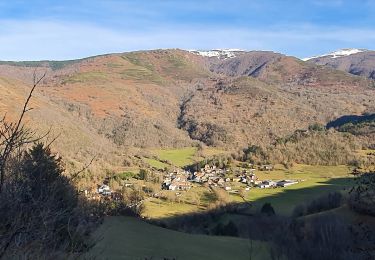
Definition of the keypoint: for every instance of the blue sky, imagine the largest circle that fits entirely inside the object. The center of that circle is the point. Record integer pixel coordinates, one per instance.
(36, 29)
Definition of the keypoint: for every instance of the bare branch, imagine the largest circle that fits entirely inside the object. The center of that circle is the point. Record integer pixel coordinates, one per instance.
(76, 174)
(53, 140)
(15, 135)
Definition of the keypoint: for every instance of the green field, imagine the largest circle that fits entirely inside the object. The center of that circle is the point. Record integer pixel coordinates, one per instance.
(284, 200)
(302, 171)
(314, 182)
(181, 156)
(178, 157)
(157, 208)
(155, 163)
(130, 238)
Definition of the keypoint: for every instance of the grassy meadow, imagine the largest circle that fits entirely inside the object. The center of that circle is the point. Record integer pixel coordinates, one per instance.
(314, 180)
(283, 200)
(130, 238)
(155, 163)
(178, 157)
(181, 157)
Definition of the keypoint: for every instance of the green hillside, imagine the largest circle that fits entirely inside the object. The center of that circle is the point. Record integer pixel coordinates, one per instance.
(129, 238)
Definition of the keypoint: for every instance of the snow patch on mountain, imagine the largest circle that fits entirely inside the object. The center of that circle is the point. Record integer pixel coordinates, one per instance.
(218, 53)
(338, 54)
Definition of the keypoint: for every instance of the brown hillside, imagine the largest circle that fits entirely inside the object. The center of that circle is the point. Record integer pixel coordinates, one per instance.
(171, 98)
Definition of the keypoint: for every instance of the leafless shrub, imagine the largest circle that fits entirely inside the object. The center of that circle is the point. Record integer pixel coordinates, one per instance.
(362, 196)
(14, 135)
(42, 215)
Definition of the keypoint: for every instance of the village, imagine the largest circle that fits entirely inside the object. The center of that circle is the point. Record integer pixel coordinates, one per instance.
(215, 177)
(211, 176)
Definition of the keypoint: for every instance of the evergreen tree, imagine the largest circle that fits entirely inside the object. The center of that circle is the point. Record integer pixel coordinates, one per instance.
(267, 209)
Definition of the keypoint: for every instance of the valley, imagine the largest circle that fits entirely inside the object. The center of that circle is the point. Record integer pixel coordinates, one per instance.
(314, 181)
(218, 150)
(187, 130)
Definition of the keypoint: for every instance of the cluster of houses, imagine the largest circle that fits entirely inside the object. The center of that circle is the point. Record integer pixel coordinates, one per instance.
(214, 176)
(208, 174)
(179, 180)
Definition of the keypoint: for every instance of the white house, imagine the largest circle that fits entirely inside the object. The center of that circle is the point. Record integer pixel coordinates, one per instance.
(267, 184)
(104, 190)
(286, 183)
(172, 187)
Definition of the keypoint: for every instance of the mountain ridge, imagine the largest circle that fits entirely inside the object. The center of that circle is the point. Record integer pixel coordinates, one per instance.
(174, 98)
(356, 62)
(338, 53)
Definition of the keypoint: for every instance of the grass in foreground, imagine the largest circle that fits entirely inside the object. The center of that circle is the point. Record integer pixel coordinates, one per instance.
(130, 238)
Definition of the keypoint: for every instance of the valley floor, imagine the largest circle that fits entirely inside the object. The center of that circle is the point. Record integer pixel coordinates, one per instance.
(314, 182)
(131, 238)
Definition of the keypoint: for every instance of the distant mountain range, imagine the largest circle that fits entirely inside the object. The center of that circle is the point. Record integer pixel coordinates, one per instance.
(219, 53)
(171, 98)
(338, 54)
(359, 62)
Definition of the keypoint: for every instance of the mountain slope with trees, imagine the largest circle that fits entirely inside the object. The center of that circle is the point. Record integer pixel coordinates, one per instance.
(174, 98)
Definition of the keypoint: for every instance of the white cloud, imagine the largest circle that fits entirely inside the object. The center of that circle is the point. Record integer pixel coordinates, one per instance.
(44, 39)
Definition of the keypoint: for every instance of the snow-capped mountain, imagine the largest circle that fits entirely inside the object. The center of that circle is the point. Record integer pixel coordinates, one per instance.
(218, 53)
(359, 62)
(337, 54)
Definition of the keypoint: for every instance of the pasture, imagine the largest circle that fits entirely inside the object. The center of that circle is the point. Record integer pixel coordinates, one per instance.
(178, 157)
(130, 238)
(314, 181)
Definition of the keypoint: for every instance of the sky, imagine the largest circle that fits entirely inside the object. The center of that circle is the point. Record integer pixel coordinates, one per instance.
(71, 29)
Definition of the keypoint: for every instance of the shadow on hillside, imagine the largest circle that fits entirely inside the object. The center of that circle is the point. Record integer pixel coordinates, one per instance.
(285, 201)
(349, 119)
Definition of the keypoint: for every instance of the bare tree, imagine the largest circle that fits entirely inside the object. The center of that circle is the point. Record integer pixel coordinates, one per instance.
(14, 135)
